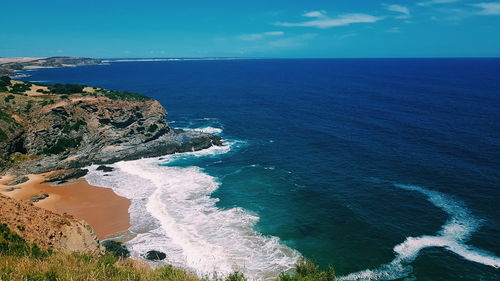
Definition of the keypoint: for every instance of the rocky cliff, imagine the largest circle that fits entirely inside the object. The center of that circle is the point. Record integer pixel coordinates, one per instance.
(44, 128)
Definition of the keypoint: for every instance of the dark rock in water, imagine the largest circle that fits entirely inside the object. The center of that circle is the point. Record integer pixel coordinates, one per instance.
(105, 168)
(155, 255)
(116, 248)
(39, 197)
(67, 175)
(18, 180)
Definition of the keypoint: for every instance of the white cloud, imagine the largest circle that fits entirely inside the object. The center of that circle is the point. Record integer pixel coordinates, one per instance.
(257, 36)
(488, 8)
(433, 2)
(321, 20)
(404, 11)
(315, 14)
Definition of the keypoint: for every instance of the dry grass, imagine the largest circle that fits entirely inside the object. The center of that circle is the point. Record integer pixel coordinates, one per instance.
(83, 267)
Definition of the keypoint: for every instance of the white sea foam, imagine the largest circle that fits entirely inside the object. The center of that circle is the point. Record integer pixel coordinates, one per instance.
(172, 212)
(207, 130)
(457, 230)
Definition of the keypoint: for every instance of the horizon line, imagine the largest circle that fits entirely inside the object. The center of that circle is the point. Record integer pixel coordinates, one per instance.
(247, 58)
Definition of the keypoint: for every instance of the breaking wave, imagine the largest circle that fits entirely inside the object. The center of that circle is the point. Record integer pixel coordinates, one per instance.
(452, 236)
(172, 211)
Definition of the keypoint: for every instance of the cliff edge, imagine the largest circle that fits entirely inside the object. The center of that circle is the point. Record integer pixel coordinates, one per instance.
(67, 126)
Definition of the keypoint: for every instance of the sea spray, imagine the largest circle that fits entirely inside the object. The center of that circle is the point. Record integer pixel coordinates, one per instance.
(172, 212)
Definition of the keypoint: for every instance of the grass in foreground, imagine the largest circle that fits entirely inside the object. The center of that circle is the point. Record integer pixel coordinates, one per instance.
(20, 260)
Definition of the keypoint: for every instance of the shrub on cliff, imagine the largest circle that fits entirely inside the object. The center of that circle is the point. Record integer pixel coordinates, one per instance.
(128, 96)
(6, 117)
(20, 88)
(62, 89)
(236, 276)
(62, 145)
(152, 128)
(5, 81)
(3, 135)
(306, 270)
(9, 98)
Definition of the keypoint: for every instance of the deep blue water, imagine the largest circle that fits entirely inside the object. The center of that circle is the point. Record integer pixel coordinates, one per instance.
(326, 143)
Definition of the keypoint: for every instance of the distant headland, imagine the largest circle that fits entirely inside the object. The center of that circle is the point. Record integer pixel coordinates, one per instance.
(12, 66)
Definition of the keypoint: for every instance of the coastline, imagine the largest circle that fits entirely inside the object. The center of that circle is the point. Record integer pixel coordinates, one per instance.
(100, 207)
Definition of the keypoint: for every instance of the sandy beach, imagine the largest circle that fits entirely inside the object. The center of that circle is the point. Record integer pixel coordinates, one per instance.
(105, 211)
(18, 60)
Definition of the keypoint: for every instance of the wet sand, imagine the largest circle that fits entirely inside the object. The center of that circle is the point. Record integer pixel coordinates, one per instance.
(105, 211)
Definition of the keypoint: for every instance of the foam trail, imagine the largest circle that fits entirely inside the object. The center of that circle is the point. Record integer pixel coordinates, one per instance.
(207, 130)
(457, 230)
(172, 212)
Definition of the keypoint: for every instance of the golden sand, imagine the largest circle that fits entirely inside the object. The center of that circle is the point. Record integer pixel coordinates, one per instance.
(100, 207)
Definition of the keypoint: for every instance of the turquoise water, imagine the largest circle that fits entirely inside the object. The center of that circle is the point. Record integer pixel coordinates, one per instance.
(390, 165)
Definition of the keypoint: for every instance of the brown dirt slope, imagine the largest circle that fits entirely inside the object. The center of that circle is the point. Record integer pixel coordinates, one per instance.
(47, 229)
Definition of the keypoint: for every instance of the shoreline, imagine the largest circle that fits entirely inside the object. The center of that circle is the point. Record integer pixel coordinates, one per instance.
(100, 207)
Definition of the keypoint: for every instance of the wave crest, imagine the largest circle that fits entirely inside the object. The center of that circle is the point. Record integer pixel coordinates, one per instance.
(457, 230)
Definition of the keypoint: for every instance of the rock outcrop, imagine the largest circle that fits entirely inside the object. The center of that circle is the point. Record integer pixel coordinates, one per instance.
(46, 229)
(44, 130)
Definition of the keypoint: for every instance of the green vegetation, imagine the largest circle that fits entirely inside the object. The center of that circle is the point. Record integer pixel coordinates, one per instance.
(14, 245)
(28, 106)
(8, 98)
(4, 82)
(47, 102)
(152, 128)
(305, 270)
(20, 88)
(75, 127)
(62, 145)
(128, 96)
(3, 135)
(66, 88)
(5, 117)
(237, 276)
(20, 260)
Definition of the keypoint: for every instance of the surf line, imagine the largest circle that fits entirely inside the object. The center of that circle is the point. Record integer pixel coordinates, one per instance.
(452, 236)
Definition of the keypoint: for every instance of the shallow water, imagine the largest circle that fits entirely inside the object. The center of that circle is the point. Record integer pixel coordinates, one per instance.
(385, 168)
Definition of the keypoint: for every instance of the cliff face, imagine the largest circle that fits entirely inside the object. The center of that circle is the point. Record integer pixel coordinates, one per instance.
(47, 229)
(43, 130)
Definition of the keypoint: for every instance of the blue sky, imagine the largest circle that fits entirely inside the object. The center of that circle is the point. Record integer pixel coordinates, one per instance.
(257, 28)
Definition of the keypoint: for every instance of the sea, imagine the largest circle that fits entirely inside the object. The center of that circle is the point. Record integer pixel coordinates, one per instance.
(386, 169)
